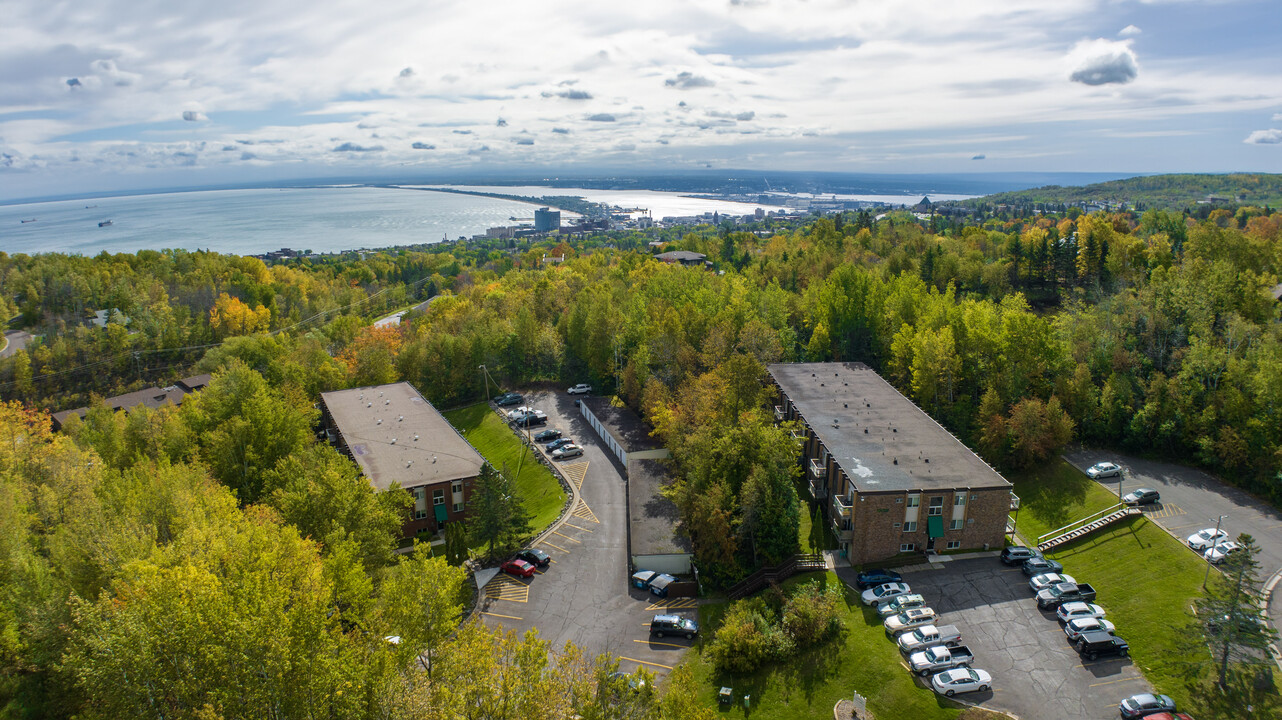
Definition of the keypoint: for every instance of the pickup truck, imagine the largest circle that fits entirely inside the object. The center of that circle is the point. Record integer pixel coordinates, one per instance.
(1056, 595)
(929, 636)
(939, 659)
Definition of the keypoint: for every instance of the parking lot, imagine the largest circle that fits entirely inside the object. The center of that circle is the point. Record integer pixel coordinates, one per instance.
(1036, 672)
(584, 596)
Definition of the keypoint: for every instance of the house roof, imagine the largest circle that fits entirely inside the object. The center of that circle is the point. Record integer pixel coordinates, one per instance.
(682, 256)
(652, 518)
(879, 438)
(625, 426)
(395, 435)
(152, 397)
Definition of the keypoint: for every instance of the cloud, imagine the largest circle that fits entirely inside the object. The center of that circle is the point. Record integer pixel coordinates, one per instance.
(423, 146)
(561, 130)
(247, 155)
(575, 95)
(353, 147)
(1129, 31)
(1277, 118)
(979, 157)
(501, 123)
(686, 80)
(601, 117)
(461, 132)
(74, 83)
(406, 72)
(1103, 62)
(193, 115)
(523, 141)
(1272, 136)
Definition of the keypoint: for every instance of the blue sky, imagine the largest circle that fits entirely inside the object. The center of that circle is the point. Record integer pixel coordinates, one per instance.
(120, 94)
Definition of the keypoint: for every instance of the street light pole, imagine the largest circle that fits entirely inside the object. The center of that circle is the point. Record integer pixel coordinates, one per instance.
(1207, 577)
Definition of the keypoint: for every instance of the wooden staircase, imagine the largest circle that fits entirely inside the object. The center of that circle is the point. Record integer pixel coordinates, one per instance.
(1086, 526)
(779, 573)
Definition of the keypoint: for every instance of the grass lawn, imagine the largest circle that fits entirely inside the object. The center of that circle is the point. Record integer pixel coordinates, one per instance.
(1055, 495)
(810, 684)
(1147, 582)
(814, 538)
(538, 489)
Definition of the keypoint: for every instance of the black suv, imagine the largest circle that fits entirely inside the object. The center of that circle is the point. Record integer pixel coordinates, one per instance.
(1099, 642)
(510, 398)
(1017, 554)
(673, 625)
(873, 578)
(535, 557)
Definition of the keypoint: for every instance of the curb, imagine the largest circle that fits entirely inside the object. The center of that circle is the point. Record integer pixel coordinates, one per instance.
(572, 491)
(1265, 602)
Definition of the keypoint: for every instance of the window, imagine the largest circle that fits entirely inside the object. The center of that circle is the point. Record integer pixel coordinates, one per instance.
(959, 499)
(420, 504)
(914, 500)
(458, 507)
(896, 526)
(910, 526)
(936, 506)
(953, 545)
(898, 500)
(956, 525)
(907, 547)
(456, 487)
(438, 497)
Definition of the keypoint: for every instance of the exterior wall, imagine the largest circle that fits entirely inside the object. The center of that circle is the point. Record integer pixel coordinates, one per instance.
(412, 526)
(670, 564)
(604, 434)
(875, 535)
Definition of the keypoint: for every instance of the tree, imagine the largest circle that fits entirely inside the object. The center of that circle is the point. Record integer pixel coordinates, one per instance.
(771, 516)
(498, 518)
(422, 601)
(456, 535)
(1037, 429)
(1230, 617)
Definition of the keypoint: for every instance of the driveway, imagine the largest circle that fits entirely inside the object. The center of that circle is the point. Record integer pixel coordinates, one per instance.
(1192, 500)
(584, 595)
(18, 340)
(1036, 673)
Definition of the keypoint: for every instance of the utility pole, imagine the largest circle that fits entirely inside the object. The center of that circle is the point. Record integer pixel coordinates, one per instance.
(1207, 577)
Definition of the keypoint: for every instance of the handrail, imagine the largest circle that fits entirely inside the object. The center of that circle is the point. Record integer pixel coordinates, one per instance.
(1088, 518)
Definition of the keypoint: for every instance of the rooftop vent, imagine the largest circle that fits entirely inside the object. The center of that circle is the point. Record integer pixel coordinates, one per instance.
(393, 441)
(896, 461)
(415, 437)
(400, 418)
(379, 421)
(369, 404)
(408, 463)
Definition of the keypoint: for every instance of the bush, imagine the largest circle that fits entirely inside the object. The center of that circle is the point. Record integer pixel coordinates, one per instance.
(748, 638)
(810, 615)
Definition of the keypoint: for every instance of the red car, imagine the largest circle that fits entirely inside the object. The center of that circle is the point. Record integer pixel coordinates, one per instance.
(520, 568)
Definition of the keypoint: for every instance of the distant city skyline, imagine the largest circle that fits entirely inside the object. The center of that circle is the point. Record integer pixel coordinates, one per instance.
(129, 95)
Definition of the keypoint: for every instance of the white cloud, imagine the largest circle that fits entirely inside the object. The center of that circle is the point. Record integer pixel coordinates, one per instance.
(1129, 31)
(1272, 136)
(1103, 62)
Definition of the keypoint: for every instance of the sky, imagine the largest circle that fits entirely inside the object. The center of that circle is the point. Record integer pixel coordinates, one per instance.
(105, 94)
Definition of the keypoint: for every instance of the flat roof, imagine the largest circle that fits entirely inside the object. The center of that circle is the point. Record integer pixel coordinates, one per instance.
(652, 518)
(681, 256)
(879, 438)
(395, 435)
(626, 427)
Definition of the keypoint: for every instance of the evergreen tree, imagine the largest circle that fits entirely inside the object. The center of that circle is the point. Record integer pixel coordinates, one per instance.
(498, 518)
(1230, 617)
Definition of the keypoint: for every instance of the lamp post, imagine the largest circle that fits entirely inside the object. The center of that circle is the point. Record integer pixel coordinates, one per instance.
(1207, 577)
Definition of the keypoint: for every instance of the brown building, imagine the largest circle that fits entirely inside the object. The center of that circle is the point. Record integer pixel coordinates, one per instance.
(891, 479)
(152, 397)
(396, 436)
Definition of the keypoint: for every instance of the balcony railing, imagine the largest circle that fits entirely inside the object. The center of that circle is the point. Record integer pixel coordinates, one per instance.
(799, 434)
(840, 507)
(818, 489)
(818, 469)
(840, 529)
(779, 413)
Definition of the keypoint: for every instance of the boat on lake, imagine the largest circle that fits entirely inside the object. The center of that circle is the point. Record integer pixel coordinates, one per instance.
(104, 223)
(27, 221)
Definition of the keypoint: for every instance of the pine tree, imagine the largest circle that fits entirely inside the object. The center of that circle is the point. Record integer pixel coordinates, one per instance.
(1230, 617)
(498, 518)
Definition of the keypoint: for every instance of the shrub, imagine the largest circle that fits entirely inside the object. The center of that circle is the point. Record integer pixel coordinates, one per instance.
(810, 614)
(748, 637)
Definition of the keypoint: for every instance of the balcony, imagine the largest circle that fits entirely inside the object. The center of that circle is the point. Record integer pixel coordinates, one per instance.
(800, 435)
(818, 468)
(841, 528)
(840, 507)
(818, 489)
(779, 413)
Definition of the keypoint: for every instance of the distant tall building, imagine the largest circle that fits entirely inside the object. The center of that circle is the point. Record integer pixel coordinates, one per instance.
(547, 220)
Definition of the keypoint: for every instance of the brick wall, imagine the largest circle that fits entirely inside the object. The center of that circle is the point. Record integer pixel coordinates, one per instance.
(875, 536)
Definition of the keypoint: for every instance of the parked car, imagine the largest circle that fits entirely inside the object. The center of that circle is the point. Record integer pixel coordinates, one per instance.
(531, 419)
(580, 389)
(1142, 496)
(938, 659)
(635, 683)
(547, 435)
(929, 636)
(558, 443)
(518, 412)
(1091, 645)
(535, 557)
(1169, 716)
(641, 578)
(884, 593)
(673, 625)
(1137, 706)
(908, 619)
(1077, 610)
(1018, 554)
(1202, 540)
(517, 567)
(508, 398)
(900, 604)
(873, 578)
(1079, 626)
(1054, 596)
(1039, 565)
(960, 680)
(1220, 553)
(1040, 582)
(1103, 470)
(659, 585)
(566, 451)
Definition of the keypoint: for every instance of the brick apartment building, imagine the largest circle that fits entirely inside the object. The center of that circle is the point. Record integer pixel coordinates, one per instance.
(396, 436)
(891, 479)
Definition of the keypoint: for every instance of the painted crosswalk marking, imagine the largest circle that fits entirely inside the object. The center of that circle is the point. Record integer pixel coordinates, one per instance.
(1164, 511)
(583, 512)
(674, 604)
(503, 587)
(575, 473)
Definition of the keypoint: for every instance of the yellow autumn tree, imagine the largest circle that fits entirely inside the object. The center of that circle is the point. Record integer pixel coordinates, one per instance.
(230, 317)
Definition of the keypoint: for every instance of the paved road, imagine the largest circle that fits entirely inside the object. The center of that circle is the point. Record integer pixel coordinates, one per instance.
(584, 596)
(1193, 500)
(18, 340)
(1036, 673)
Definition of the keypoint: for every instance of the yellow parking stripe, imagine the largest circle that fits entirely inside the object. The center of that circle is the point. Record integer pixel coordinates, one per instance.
(1114, 682)
(576, 527)
(674, 604)
(507, 588)
(575, 473)
(509, 617)
(645, 662)
(558, 547)
(583, 512)
(656, 642)
(1165, 511)
(567, 537)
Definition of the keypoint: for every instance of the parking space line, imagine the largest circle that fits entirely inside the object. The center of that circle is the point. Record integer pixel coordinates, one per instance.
(575, 473)
(509, 617)
(567, 537)
(665, 644)
(545, 542)
(646, 662)
(503, 587)
(583, 512)
(1114, 682)
(576, 527)
(677, 604)
(1165, 511)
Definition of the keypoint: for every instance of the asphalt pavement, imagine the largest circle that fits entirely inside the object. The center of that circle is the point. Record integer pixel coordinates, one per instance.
(17, 340)
(584, 596)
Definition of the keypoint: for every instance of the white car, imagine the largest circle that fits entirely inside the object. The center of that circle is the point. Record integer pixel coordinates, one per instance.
(1221, 551)
(960, 680)
(1103, 470)
(909, 620)
(1069, 612)
(580, 389)
(1205, 539)
(1045, 580)
(566, 451)
(900, 604)
(519, 412)
(884, 593)
(1074, 628)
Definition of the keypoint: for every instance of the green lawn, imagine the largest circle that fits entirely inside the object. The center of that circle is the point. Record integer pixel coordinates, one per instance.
(1054, 496)
(538, 489)
(813, 538)
(808, 685)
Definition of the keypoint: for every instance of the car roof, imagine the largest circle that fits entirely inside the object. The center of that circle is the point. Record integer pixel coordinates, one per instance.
(668, 618)
(1094, 636)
